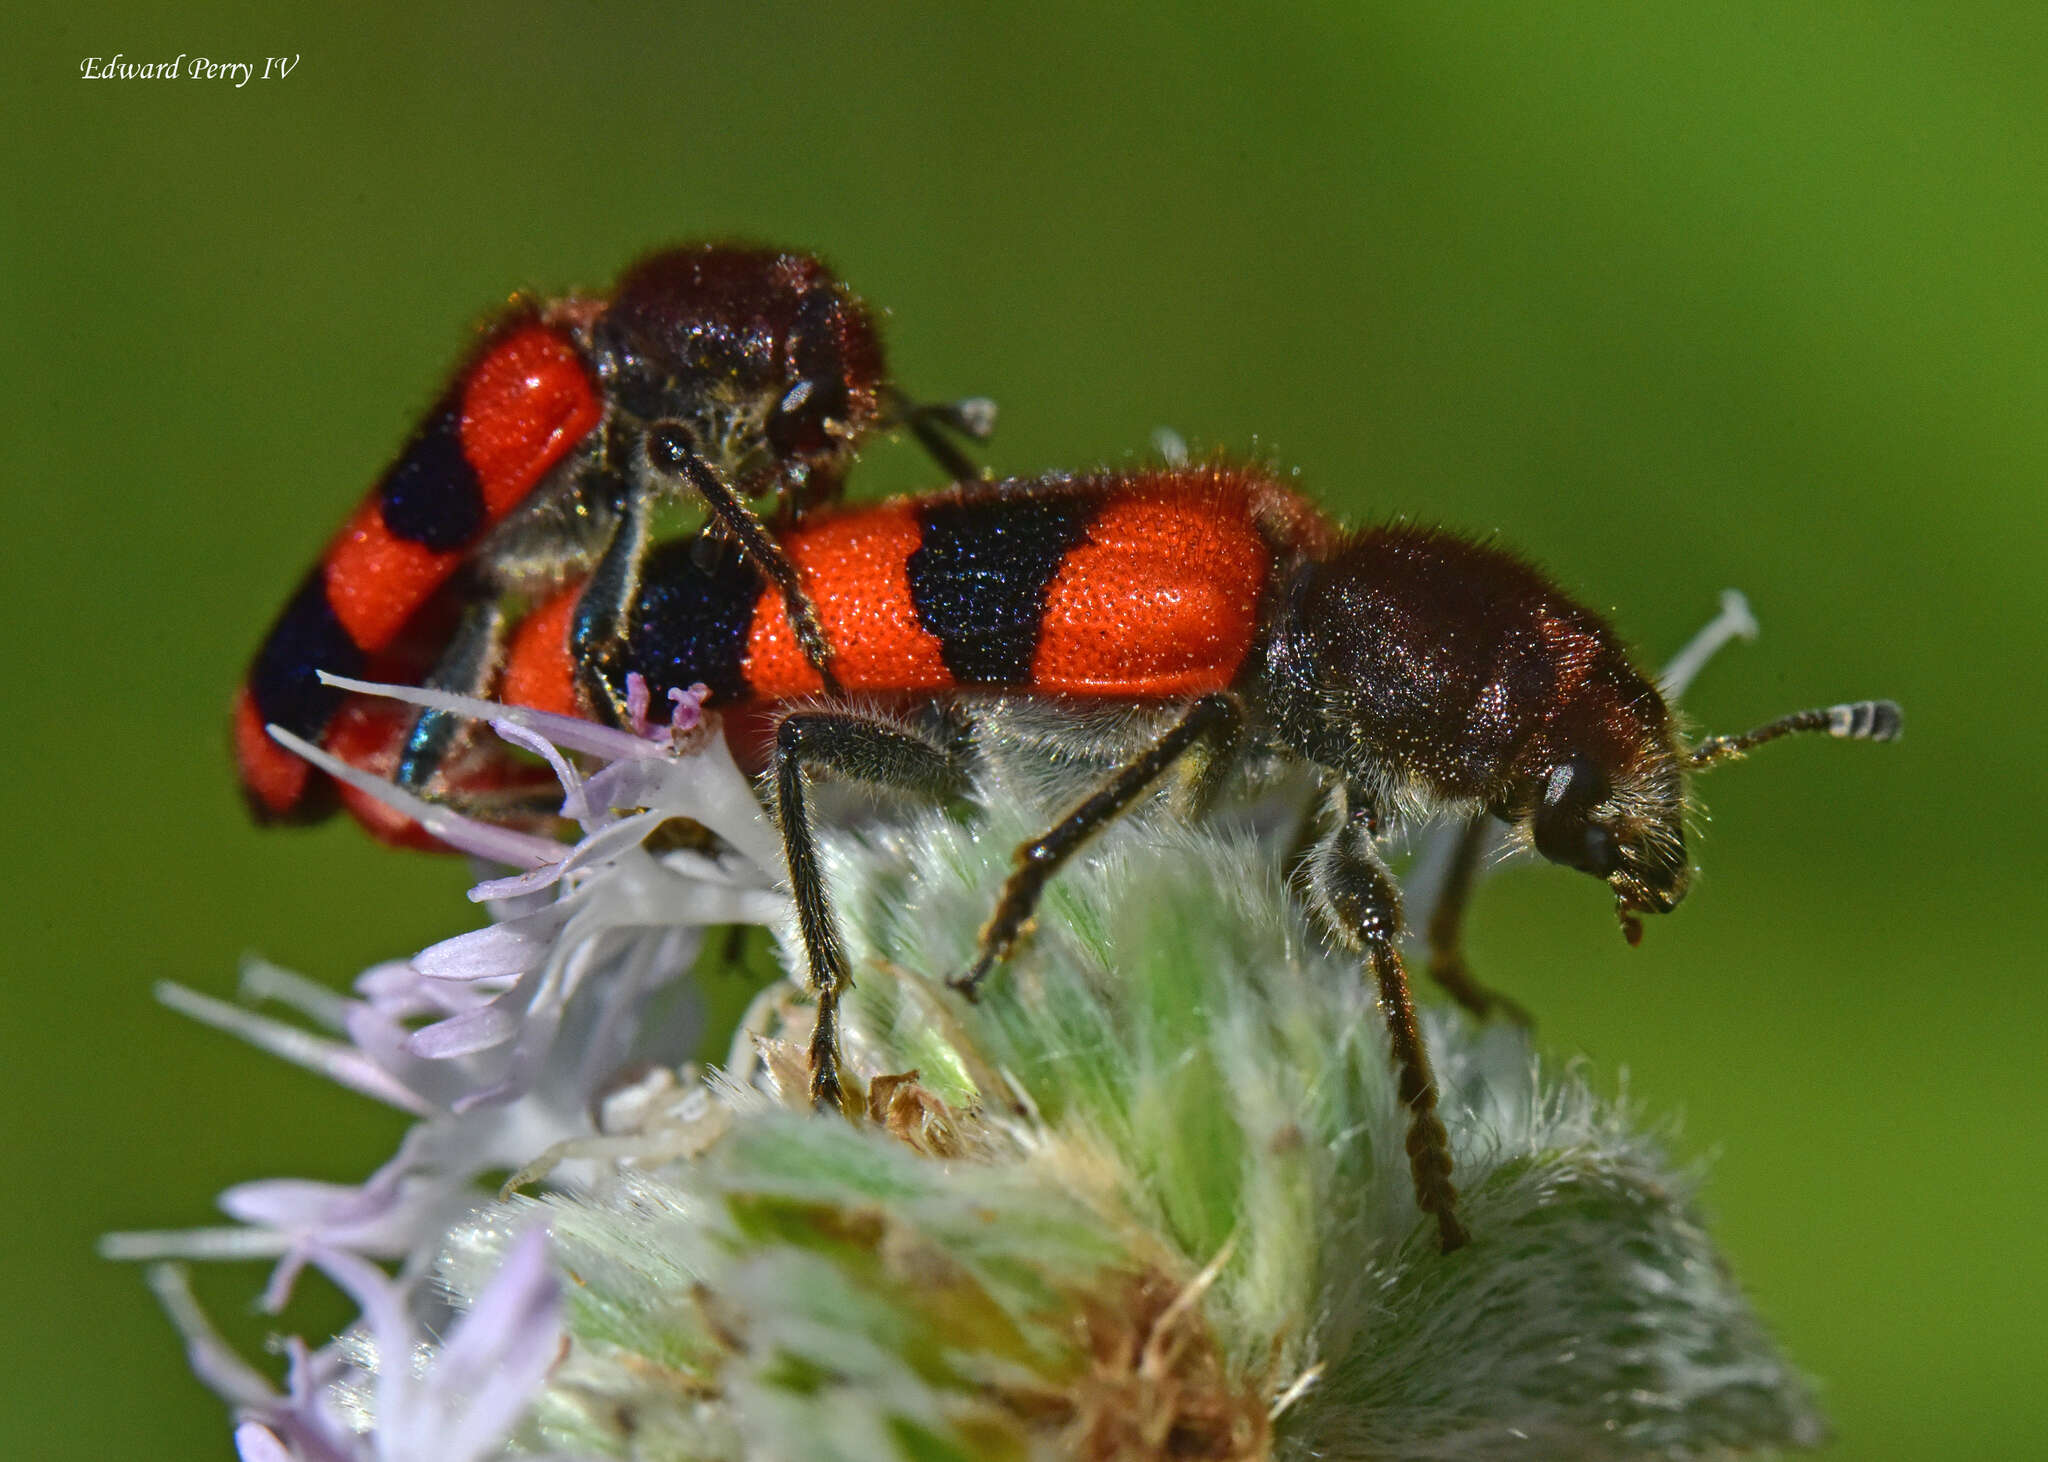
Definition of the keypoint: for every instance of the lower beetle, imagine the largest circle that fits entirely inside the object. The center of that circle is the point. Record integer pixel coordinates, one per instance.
(1416, 673)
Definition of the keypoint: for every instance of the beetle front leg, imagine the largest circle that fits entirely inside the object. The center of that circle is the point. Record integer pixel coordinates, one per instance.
(670, 452)
(973, 418)
(1361, 904)
(864, 748)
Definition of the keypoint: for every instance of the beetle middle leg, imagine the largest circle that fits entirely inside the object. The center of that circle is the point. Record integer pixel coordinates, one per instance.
(864, 748)
(1214, 722)
(1444, 934)
(1361, 904)
(468, 666)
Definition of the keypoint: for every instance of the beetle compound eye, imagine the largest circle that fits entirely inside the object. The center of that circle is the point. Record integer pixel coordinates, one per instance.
(669, 446)
(1602, 853)
(1563, 832)
(1574, 785)
(1587, 846)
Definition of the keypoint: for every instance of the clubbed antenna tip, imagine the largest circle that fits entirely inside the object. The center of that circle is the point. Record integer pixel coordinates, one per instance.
(1867, 721)
(1850, 721)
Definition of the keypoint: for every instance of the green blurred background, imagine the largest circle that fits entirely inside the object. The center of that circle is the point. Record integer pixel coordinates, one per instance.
(1672, 299)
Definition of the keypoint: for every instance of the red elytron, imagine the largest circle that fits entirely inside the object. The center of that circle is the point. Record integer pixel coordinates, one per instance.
(711, 369)
(1418, 673)
(1145, 587)
(516, 411)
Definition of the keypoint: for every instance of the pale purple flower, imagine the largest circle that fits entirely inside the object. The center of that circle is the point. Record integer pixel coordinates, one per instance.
(501, 1042)
(457, 1403)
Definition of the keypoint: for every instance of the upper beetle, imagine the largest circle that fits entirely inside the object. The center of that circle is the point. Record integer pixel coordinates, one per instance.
(710, 370)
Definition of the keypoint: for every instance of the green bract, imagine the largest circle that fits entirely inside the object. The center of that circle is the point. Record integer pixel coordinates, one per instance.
(1147, 1199)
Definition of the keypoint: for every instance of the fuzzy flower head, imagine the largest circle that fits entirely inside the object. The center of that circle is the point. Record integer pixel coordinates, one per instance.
(1148, 1198)
(502, 1043)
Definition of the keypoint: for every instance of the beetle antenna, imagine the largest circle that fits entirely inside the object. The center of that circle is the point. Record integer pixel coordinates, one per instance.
(1850, 721)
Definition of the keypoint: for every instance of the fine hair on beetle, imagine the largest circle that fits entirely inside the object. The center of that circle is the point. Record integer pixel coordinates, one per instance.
(1415, 673)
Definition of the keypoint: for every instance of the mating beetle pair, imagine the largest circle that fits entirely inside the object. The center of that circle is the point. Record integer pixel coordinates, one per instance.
(1418, 674)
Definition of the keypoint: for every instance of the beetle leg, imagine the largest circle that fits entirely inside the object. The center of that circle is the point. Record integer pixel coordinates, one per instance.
(603, 610)
(973, 418)
(1360, 902)
(1213, 721)
(598, 629)
(1445, 932)
(469, 666)
(864, 748)
(669, 447)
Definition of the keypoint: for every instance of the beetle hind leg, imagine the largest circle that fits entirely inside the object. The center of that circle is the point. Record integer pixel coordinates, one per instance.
(1360, 903)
